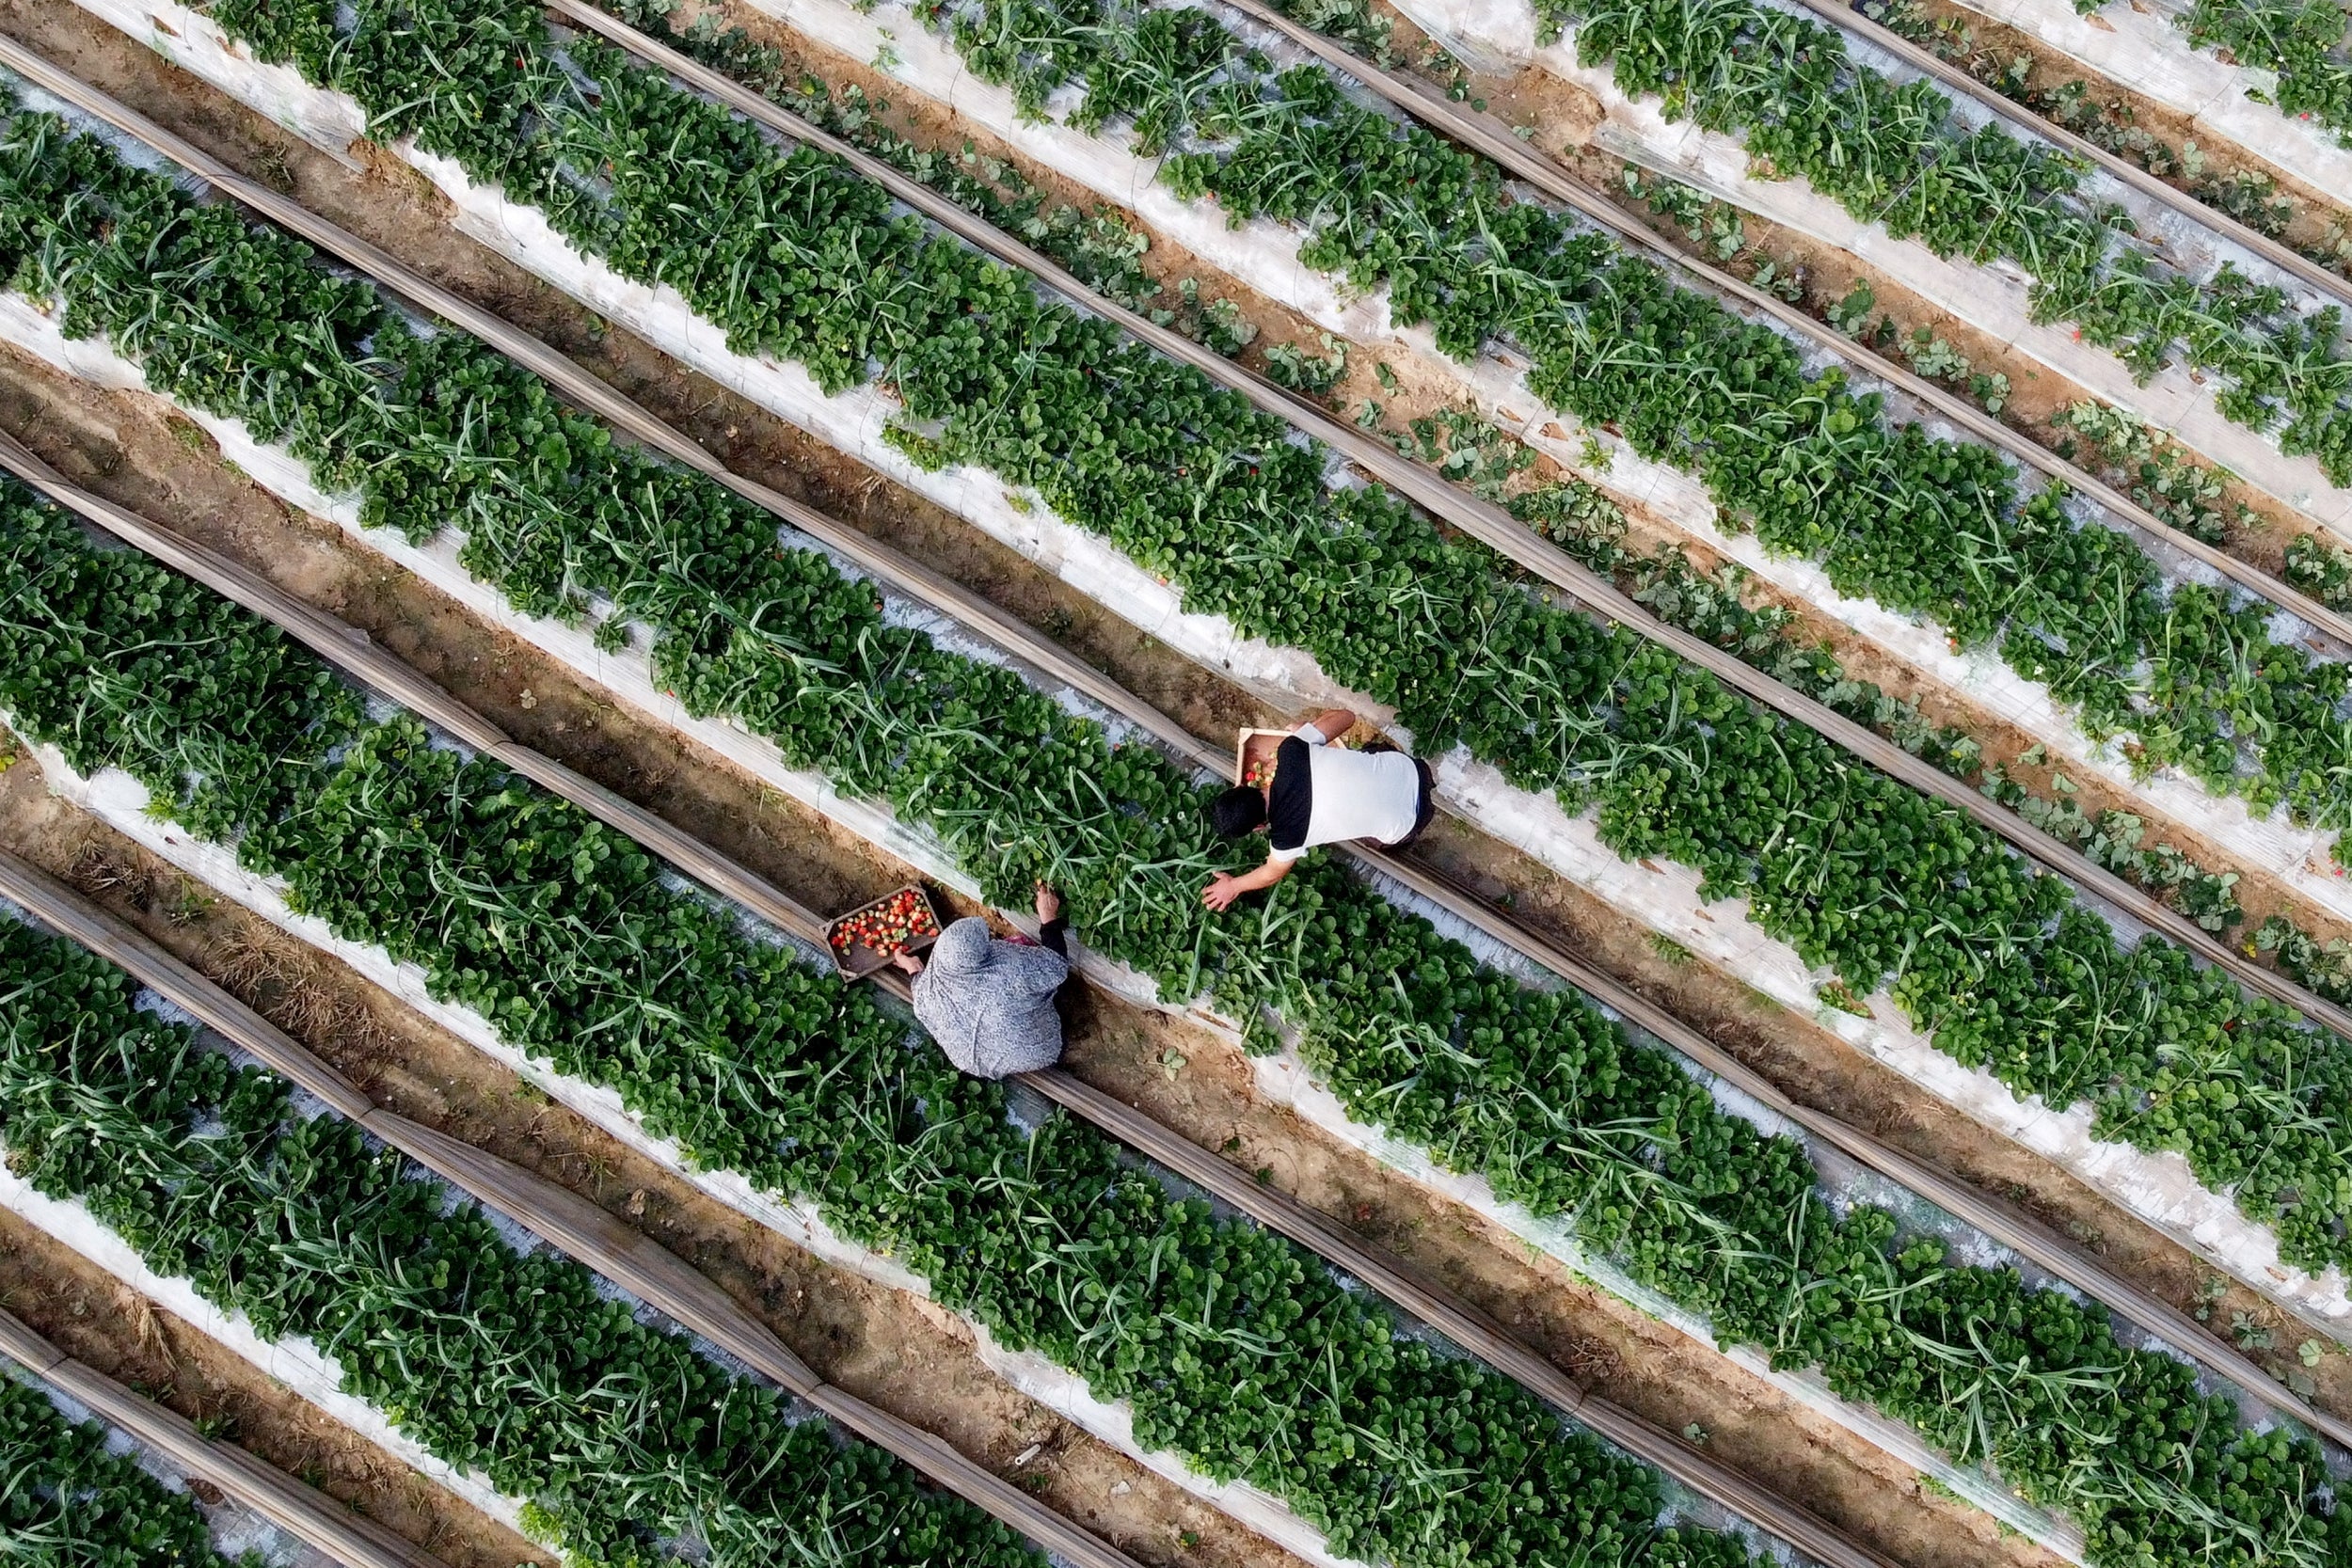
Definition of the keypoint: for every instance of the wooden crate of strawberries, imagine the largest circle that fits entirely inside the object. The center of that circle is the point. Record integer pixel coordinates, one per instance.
(868, 937)
(1253, 757)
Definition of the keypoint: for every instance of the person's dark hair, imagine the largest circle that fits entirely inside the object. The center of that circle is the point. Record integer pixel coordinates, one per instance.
(1237, 811)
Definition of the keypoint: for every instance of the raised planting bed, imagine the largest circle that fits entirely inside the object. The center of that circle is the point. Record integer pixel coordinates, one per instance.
(526, 1378)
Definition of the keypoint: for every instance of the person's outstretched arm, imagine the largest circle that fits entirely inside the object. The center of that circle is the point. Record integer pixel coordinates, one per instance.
(1051, 927)
(1224, 887)
(1331, 723)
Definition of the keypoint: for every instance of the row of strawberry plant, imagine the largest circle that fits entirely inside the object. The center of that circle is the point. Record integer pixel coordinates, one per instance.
(618, 1435)
(2190, 674)
(564, 931)
(666, 188)
(67, 1499)
(544, 527)
(1588, 526)
(2111, 121)
(2003, 966)
(1898, 154)
(2302, 41)
(1102, 249)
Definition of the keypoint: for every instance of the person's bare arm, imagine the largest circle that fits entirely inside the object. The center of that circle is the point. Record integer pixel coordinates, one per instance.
(1224, 887)
(1331, 723)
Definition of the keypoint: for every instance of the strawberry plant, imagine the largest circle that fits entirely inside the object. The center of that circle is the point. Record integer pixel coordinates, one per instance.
(1541, 1094)
(2302, 41)
(621, 1436)
(1232, 1346)
(1898, 154)
(2111, 120)
(68, 1501)
(2321, 569)
(2160, 474)
(577, 949)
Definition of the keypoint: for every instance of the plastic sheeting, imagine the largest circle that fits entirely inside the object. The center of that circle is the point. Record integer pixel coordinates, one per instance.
(1282, 1079)
(235, 1528)
(855, 420)
(293, 1362)
(2270, 844)
(120, 801)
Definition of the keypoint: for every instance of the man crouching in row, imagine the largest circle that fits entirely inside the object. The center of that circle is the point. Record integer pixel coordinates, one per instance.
(1319, 793)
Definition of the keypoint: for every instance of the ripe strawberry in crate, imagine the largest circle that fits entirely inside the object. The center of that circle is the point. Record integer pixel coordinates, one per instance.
(866, 939)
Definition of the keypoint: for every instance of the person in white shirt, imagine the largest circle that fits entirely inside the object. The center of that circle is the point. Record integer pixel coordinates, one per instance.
(1321, 794)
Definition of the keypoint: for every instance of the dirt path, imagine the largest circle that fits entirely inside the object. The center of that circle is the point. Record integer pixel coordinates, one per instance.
(122, 446)
(93, 1317)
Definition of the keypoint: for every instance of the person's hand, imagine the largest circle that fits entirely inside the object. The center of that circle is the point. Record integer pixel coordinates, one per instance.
(908, 962)
(1048, 901)
(1222, 889)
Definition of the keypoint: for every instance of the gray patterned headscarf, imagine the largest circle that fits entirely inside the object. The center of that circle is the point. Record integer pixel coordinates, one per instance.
(990, 1004)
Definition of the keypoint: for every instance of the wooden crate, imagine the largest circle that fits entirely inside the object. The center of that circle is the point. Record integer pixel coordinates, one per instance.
(1242, 749)
(856, 960)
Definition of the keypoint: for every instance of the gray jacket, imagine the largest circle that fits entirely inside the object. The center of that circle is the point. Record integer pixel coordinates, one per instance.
(990, 1004)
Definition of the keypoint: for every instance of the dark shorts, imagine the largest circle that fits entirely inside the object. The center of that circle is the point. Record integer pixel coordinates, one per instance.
(1427, 811)
(1423, 814)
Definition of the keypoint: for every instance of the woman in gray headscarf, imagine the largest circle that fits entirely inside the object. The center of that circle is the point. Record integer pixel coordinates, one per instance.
(990, 1004)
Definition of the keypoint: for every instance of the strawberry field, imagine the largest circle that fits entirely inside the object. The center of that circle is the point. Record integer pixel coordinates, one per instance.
(510, 1363)
(1933, 528)
(2006, 968)
(1243, 1359)
(368, 839)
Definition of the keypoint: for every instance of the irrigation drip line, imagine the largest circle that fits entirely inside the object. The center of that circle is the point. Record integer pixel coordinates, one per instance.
(1499, 530)
(656, 1273)
(319, 1522)
(352, 651)
(558, 1217)
(2284, 258)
